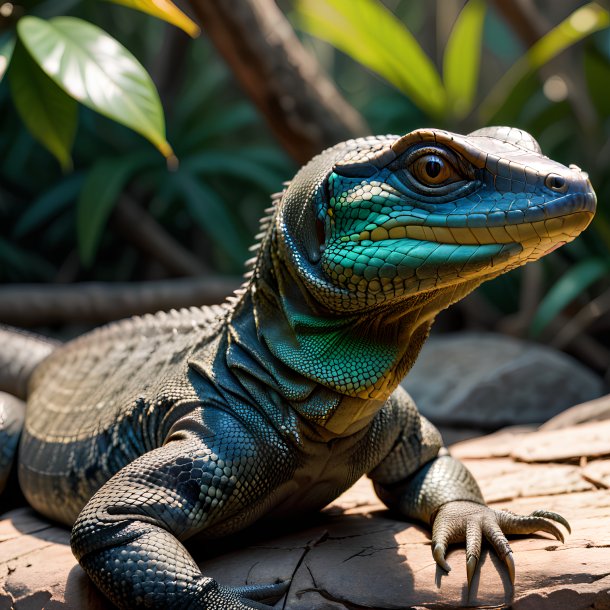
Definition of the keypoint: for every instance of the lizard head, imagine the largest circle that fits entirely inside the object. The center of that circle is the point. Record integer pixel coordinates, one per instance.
(398, 216)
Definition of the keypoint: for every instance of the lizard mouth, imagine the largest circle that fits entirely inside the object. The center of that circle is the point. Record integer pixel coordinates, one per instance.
(566, 218)
(566, 227)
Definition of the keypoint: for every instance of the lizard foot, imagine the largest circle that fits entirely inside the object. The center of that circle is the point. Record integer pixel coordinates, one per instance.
(462, 520)
(246, 597)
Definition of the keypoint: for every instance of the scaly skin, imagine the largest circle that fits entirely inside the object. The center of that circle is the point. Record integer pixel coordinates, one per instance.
(197, 423)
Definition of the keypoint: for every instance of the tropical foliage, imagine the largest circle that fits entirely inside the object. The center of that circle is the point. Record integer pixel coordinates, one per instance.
(53, 63)
(82, 135)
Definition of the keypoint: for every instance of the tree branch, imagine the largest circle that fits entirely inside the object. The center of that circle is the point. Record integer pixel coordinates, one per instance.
(37, 304)
(530, 24)
(302, 106)
(150, 238)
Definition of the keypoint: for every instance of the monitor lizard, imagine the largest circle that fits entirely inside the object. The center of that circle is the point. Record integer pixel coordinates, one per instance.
(196, 423)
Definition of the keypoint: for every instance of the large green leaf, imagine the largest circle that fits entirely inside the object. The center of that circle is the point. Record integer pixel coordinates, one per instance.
(50, 115)
(580, 24)
(571, 284)
(462, 58)
(370, 34)
(166, 10)
(100, 192)
(96, 70)
(7, 44)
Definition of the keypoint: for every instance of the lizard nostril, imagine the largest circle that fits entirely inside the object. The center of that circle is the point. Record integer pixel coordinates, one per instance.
(556, 183)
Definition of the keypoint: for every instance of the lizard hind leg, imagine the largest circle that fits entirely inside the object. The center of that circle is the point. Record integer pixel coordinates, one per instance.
(12, 414)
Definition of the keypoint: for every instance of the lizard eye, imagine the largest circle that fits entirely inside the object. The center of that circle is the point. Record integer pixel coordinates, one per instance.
(433, 170)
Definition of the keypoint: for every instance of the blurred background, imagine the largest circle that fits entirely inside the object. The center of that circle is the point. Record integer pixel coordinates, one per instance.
(97, 223)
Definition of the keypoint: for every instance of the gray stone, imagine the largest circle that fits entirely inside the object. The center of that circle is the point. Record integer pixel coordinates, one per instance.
(488, 381)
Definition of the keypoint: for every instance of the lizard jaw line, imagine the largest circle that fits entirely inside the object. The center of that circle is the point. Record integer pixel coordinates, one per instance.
(567, 226)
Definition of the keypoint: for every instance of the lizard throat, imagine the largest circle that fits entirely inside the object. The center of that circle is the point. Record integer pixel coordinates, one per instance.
(362, 354)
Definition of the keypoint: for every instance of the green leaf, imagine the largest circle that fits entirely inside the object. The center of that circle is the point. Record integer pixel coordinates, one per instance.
(370, 34)
(580, 24)
(49, 114)
(571, 284)
(101, 190)
(166, 10)
(7, 45)
(597, 72)
(96, 70)
(211, 214)
(49, 204)
(462, 58)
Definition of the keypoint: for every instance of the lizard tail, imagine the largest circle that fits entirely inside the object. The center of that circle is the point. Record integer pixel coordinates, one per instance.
(20, 353)
(12, 414)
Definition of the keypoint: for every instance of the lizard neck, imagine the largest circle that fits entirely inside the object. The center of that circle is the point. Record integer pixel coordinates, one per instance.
(361, 357)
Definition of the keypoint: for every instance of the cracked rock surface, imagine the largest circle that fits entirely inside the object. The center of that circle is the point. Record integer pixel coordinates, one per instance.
(356, 555)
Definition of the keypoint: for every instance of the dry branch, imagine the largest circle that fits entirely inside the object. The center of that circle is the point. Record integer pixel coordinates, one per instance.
(37, 304)
(302, 106)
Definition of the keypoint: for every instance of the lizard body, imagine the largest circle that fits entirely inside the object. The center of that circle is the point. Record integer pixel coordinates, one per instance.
(198, 422)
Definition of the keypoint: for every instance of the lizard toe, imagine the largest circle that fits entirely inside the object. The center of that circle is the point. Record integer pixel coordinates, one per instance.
(268, 592)
(538, 521)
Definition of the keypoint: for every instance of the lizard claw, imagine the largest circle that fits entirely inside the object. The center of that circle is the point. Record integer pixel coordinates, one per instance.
(538, 521)
(547, 514)
(510, 566)
(471, 566)
(438, 552)
(460, 521)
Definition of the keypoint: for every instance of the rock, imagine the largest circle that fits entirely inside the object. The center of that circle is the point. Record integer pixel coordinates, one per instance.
(488, 381)
(37, 568)
(531, 444)
(583, 440)
(357, 555)
(593, 410)
(497, 444)
(598, 472)
(506, 479)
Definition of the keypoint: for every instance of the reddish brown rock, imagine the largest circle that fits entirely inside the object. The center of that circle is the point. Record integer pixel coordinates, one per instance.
(588, 440)
(593, 410)
(598, 472)
(497, 444)
(357, 555)
(506, 479)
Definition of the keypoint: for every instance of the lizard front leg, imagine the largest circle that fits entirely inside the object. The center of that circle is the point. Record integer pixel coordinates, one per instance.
(128, 537)
(441, 492)
(444, 494)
